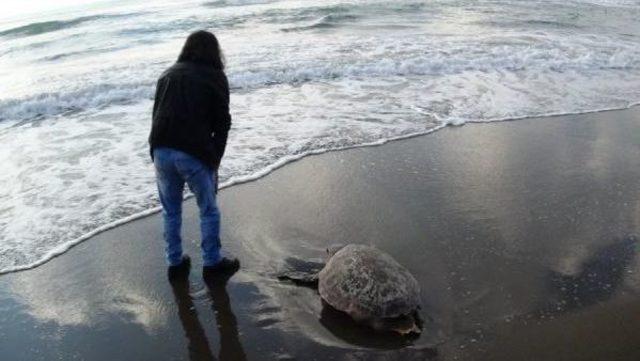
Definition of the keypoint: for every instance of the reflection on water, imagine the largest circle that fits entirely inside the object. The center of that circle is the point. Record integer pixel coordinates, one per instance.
(198, 343)
(230, 346)
(599, 277)
(199, 349)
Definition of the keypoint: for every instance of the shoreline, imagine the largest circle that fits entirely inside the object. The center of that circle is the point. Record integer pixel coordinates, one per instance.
(65, 247)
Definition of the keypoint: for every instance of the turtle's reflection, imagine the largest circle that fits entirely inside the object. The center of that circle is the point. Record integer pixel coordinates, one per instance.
(344, 327)
(198, 344)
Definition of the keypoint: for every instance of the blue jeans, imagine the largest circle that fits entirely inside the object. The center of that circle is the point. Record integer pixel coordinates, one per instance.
(173, 169)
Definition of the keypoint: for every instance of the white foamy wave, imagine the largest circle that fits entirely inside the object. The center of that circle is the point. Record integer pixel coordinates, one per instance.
(94, 97)
(221, 3)
(508, 56)
(440, 62)
(609, 3)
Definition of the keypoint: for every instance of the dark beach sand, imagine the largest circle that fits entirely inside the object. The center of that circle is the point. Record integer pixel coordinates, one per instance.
(519, 233)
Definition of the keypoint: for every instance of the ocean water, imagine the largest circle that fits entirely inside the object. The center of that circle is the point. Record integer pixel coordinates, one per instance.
(307, 76)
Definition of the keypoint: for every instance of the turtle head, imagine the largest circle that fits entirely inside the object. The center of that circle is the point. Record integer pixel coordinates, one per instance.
(407, 325)
(333, 249)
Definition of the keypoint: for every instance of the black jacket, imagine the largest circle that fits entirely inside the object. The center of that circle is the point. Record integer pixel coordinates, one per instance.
(191, 112)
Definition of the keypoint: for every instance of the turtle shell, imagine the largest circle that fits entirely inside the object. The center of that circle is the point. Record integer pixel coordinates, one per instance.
(367, 283)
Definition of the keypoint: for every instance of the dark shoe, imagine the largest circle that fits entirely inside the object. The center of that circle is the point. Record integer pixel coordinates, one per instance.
(226, 267)
(181, 270)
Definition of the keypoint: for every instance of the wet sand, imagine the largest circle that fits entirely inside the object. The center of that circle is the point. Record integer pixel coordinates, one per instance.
(521, 235)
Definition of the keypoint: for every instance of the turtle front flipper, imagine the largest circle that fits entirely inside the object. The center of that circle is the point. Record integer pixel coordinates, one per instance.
(300, 272)
(300, 278)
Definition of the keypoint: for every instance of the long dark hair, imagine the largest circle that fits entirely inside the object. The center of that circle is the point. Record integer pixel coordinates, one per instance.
(202, 47)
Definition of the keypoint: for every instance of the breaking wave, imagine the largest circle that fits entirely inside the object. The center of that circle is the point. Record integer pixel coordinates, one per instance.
(503, 58)
(55, 25)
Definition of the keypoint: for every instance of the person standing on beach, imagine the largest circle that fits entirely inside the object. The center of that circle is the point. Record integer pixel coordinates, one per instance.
(188, 137)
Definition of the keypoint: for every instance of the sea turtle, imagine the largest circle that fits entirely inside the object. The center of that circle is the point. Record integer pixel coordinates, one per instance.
(368, 285)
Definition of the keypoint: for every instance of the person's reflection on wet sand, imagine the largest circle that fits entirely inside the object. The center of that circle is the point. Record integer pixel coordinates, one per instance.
(198, 343)
(230, 346)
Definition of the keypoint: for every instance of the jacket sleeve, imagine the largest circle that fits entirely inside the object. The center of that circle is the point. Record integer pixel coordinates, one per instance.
(221, 122)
